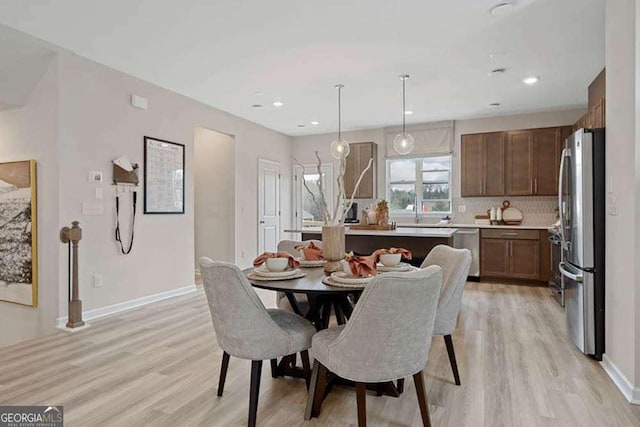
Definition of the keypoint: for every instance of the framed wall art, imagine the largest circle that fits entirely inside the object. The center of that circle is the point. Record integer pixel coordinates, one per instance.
(18, 233)
(163, 176)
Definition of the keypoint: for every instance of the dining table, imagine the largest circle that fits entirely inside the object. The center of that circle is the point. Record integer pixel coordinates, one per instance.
(323, 299)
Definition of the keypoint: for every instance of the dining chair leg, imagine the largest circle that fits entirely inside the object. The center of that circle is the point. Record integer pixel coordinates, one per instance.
(274, 368)
(400, 385)
(306, 366)
(223, 372)
(361, 397)
(452, 358)
(316, 390)
(254, 392)
(418, 380)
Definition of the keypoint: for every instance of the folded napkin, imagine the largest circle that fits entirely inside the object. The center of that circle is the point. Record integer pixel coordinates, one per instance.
(406, 254)
(361, 266)
(311, 252)
(293, 263)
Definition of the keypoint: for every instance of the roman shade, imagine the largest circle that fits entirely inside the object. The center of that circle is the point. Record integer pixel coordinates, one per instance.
(431, 139)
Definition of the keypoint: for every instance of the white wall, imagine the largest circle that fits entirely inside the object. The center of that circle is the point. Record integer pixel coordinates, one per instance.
(97, 125)
(30, 132)
(305, 146)
(621, 282)
(214, 195)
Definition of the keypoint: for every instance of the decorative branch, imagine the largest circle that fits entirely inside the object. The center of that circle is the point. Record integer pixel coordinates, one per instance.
(355, 189)
(340, 196)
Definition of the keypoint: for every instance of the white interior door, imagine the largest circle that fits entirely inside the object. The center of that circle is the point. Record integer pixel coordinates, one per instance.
(268, 205)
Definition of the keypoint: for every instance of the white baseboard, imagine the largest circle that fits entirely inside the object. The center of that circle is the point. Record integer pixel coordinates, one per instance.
(630, 392)
(127, 305)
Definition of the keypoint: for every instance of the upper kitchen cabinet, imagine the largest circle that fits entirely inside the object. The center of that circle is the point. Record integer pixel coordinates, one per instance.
(513, 163)
(482, 161)
(357, 161)
(595, 115)
(533, 161)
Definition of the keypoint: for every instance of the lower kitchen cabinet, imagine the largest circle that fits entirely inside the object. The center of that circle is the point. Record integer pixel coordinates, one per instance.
(514, 254)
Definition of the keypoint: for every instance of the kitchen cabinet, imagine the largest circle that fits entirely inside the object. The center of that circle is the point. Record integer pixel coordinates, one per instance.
(595, 115)
(512, 163)
(514, 254)
(482, 164)
(357, 161)
(533, 161)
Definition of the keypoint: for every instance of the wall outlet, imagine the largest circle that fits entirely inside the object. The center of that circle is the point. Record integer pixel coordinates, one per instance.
(99, 193)
(95, 177)
(612, 205)
(243, 254)
(97, 281)
(462, 208)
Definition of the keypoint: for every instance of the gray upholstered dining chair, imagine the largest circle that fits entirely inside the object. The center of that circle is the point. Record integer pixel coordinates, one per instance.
(282, 302)
(387, 337)
(455, 268)
(246, 329)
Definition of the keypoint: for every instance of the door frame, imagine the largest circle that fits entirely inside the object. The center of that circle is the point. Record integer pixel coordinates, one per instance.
(261, 163)
(298, 189)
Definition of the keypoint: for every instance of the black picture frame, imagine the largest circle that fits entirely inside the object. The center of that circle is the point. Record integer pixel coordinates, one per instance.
(164, 166)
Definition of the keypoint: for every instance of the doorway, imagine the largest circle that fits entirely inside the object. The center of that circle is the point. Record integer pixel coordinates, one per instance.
(268, 205)
(214, 200)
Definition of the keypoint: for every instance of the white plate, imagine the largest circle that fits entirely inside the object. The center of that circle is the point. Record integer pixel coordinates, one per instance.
(342, 277)
(402, 267)
(264, 272)
(309, 263)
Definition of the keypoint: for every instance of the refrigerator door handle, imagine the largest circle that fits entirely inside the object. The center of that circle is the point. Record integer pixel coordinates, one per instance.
(570, 275)
(561, 207)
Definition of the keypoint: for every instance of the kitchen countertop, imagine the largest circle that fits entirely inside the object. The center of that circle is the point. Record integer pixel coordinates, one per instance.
(443, 232)
(523, 227)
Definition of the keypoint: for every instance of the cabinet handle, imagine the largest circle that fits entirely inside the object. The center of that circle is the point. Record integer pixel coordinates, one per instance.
(511, 249)
(507, 233)
(484, 187)
(535, 185)
(531, 186)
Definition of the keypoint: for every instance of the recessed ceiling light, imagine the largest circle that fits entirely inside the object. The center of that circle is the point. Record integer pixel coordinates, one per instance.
(257, 105)
(408, 112)
(277, 104)
(530, 80)
(301, 125)
(494, 104)
(497, 71)
(501, 8)
(258, 93)
(315, 123)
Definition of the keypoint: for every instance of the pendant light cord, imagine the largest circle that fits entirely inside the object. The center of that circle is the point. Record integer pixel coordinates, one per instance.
(404, 111)
(339, 114)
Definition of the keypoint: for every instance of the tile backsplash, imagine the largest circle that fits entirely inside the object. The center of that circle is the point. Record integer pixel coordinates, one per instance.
(536, 211)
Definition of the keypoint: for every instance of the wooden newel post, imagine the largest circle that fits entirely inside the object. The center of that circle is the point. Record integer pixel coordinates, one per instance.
(73, 235)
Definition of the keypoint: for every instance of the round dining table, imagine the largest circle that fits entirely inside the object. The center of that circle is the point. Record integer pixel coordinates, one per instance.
(322, 300)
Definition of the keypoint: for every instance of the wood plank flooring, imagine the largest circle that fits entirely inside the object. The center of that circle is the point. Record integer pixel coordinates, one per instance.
(159, 366)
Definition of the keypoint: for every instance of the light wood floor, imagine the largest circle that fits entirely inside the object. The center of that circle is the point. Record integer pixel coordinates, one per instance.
(158, 366)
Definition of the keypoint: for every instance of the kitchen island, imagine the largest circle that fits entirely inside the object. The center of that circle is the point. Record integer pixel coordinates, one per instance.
(419, 241)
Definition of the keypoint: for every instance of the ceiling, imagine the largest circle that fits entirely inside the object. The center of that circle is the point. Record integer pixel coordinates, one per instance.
(233, 54)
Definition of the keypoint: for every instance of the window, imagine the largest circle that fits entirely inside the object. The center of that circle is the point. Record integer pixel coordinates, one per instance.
(423, 182)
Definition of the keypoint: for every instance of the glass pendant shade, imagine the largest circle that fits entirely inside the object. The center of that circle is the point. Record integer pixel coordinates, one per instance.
(403, 143)
(339, 149)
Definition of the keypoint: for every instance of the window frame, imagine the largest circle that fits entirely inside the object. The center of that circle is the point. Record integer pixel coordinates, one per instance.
(299, 190)
(418, 186)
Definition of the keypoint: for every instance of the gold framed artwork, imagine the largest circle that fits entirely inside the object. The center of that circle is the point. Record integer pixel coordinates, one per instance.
(18, 233)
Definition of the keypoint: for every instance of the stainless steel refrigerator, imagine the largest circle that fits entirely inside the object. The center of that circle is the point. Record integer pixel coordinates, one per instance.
(582, 223)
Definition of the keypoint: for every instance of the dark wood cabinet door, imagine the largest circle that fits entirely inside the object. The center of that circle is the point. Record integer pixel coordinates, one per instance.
(357, 161)
(472, 165)
(546, 143)
(520, 163)
(524, 259)
(494, 164)
(494, 258)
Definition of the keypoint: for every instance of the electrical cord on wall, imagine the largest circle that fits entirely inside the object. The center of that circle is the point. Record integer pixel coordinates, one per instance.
(133, 224)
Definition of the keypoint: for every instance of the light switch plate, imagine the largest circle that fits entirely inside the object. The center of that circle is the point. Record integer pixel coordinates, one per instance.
(612, 205)
(97, 281)
(99, 193)
(462, 208)
(95, 177)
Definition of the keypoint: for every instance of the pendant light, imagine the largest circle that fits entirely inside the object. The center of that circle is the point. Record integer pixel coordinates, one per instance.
(403, 142)
(340, 147)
